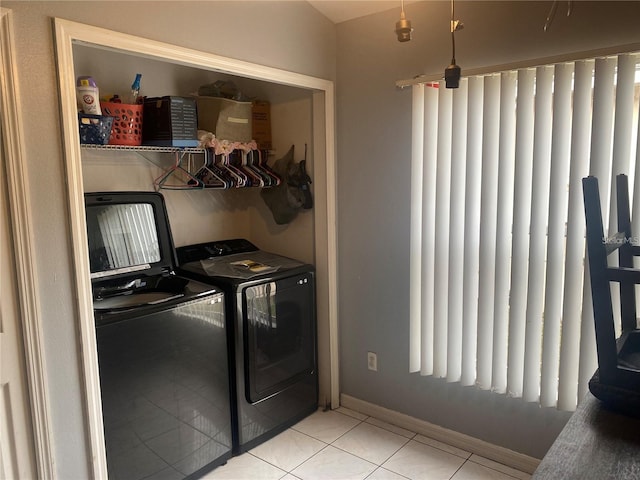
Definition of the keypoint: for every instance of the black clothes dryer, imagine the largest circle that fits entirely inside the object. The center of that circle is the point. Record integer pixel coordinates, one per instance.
(162, 346)
(271, 315)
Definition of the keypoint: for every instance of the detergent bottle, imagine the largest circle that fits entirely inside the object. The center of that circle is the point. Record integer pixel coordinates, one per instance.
(87, 95)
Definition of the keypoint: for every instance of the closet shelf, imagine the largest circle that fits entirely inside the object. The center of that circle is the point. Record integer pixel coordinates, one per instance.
(142, 148)
(235, 170)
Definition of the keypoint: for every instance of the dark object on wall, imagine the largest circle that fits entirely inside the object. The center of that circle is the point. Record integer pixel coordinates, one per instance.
(617, 380)
(293, 193)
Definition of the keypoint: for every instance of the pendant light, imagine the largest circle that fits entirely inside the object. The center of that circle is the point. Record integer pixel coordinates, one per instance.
(403, 26)
(453, 72)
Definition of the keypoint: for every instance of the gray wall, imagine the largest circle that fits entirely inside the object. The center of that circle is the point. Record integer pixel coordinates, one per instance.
(288, 35)
(374, 128)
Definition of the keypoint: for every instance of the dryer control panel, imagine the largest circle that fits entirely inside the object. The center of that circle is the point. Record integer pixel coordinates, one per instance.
(220, 248)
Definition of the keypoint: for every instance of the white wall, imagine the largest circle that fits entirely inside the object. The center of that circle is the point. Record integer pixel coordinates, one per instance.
(374, 130)
(287, 35)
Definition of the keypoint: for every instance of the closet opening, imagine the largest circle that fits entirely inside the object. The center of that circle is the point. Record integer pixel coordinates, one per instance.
(309, 97)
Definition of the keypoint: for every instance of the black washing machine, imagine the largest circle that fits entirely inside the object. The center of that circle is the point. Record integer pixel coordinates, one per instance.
(271, 314)
(162, 346)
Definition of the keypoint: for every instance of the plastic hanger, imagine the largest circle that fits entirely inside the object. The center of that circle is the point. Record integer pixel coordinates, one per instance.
(222, 163)
(177, 171)
(208, 176)
(261, 164)
(254, 177)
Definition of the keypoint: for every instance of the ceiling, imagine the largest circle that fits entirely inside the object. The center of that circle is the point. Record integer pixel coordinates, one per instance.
(342, 10)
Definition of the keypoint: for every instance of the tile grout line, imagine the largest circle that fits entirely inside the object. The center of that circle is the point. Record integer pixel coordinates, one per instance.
(301, 463)
(494, 469)
(458, 469)
(407, 440)
(335, 439)
(386, 470)
(317, 453)
(378, 465)
(364, 459)
(442, 449)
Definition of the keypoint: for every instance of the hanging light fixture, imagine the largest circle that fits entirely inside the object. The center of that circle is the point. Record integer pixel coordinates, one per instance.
(453, 72)
(403, 26)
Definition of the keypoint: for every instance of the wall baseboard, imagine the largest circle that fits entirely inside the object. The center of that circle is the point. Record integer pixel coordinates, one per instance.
(498, 454)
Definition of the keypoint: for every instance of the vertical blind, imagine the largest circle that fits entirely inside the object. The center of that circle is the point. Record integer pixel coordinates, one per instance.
(129, 235)
(500, 293)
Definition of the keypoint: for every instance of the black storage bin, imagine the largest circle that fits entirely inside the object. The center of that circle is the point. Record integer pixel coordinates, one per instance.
(170, 121)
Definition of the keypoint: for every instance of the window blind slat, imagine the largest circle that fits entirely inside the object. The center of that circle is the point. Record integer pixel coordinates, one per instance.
(557, 214)
(621, 151)
(472, 230)
(601, 131)
(441, 257)
(575, 246)
(601, 156)
(599, 166)
(538, 232)
(623, 124)
(415, 236)
(588, 363)
(521, 220)
(488, 226)
(506, 181)
(635, 219)
(428, 225)
(457, 238)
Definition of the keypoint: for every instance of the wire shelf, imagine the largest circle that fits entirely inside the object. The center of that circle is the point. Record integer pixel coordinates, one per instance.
(142, 148)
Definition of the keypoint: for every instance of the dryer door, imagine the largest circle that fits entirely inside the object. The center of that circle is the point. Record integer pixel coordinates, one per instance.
(279, 335)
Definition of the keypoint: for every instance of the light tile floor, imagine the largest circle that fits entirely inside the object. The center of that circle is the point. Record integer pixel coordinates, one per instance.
(346, 445)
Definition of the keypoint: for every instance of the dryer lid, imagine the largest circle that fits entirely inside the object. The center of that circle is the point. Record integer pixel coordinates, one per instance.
(242, 265)
(247, 265)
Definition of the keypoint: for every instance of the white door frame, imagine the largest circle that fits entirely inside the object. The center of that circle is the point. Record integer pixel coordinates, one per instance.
(67, 34)
(23, 245)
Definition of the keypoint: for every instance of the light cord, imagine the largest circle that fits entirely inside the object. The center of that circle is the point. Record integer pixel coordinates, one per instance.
(453, 36)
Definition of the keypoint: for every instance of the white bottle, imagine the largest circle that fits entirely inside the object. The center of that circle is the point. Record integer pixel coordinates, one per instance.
(87, 95)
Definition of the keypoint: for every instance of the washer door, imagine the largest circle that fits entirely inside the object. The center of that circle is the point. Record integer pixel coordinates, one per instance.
(280, 335)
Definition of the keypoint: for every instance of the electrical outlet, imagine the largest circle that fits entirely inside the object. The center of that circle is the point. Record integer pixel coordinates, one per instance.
(372, 361)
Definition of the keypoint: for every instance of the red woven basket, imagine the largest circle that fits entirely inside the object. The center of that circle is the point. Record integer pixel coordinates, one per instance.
(127, 123)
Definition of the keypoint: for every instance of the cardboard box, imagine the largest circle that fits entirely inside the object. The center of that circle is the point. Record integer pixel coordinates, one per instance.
(261, 124)
(170, 121)
(227, 119)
